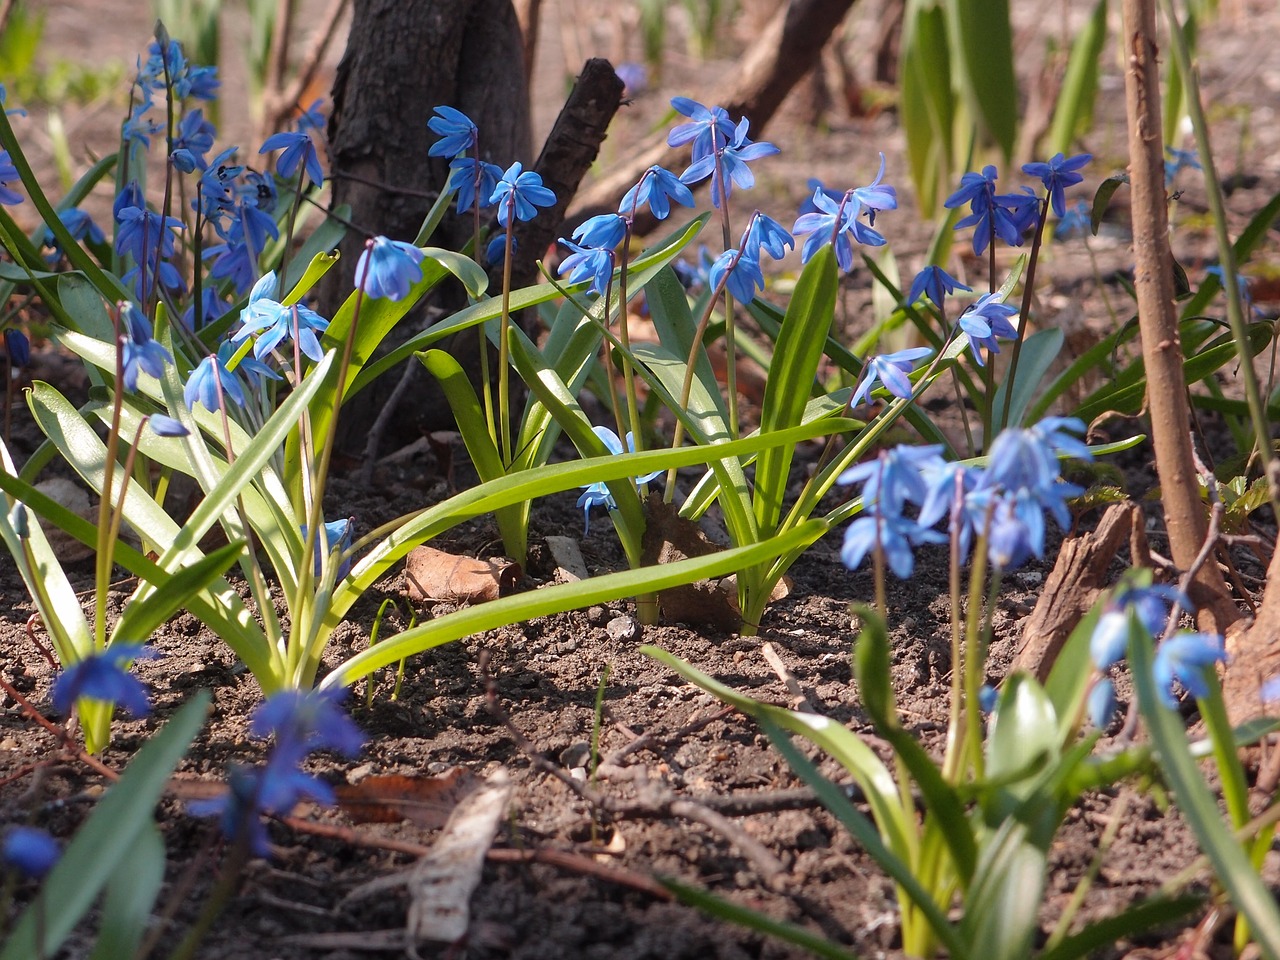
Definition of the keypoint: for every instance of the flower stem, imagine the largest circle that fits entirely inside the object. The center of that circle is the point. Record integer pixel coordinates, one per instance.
(1028, 291)
(504, 372)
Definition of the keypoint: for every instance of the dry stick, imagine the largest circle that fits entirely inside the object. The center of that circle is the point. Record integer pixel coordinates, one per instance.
(57, 732)
(650, 741)
(1158, 321)
(279, 105)
(564, 859)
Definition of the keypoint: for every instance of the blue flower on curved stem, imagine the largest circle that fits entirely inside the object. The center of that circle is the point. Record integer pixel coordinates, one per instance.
(388, 268)
(1101, 703)
(8, 175)
(897, 536)
(890, 369)
(588, 263)
(298, 150)
(605, 230)
(210, 374)
(473, 180)
(936, 284)
(1184, 657)
(657, 187)
(338, 535)
(740, 274)
(104, 675)
(985, 321)
(141, 352)
(518, 193)
(17, 346)
(767, 234)
(457, 133)
(1056, 175)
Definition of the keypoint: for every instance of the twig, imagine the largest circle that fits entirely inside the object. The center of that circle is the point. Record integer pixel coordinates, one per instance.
(278, 104)
(799, 700)
(649, 741)
(59, 733)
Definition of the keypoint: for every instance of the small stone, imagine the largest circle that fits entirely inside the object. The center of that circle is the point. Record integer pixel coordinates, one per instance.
(596, 615)
(621, 628)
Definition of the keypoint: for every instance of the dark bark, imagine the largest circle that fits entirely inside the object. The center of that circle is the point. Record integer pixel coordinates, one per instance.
(402, 60)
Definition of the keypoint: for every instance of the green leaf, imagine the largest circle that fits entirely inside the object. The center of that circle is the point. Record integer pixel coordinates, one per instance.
(131, 896)
(143, 617)
(1102, 198)
(1024, 733)
(556, 599)
(1002, 908)
(1074, 110)
(1039, 351)
(107, 839)
(927, 101)
(1231, 863)
(1157, 912)
(984, 38)
(641, 269)
(791, 378)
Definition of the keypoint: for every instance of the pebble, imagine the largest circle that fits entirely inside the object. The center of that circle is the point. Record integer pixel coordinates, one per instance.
(621, 628)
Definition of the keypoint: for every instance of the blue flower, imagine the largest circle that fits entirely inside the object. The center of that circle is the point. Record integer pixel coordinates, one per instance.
(634, 77)
(1101, 703)
(739, 273)
(17, 346)
(1184, 657)
(1056, 175)
(897, 536)
(141, 352)
(597, 494)
(890, 369)
(1152, 605)
(163, 426)
(274, 322)
(991, 218)
(211, 308)
(657, 187)
(709, 128)
(473, 180)
(732, 159)
(299, 150)
(1076, 222)
(141, 231)
(79, 224)
(765, 233)
(29, 851)
(895, 477)
(104, 675)
(1178, 161)
(457, 133)
(311, 118)
(986, 320)
(210, 374)
(16, 111)
(605, 230)
(495, 252)
(388, 268)
(308, 719)
(338, 536)
(1017, 530)
(935, 283)
(588, 263)
(518, 193)
(300, 722)
(8, 174)
(834, 218)
(139, 130)
(195, 135)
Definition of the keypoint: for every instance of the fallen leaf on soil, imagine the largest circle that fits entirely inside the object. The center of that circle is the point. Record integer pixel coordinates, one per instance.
(668, 538)
(442, 882)
(435, 575)
(426, 801)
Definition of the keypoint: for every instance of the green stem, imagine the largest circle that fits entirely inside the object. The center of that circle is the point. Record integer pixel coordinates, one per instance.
(504, 372)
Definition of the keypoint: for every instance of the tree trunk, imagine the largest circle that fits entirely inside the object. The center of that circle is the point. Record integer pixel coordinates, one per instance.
(401, 61)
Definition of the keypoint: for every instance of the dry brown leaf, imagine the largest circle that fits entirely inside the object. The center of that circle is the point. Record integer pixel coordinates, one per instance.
(426, 801)
(432, 574)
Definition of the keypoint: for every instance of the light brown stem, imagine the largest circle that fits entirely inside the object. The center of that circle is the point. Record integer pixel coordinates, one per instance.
(1158, 320)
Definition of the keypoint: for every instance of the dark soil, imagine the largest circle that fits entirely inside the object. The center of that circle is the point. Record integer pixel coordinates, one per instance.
(544, 675)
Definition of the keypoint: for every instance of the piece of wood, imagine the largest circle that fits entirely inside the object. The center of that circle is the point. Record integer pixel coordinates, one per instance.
(1074, 585)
